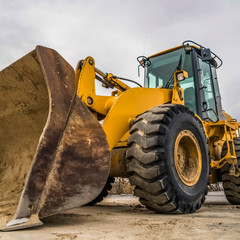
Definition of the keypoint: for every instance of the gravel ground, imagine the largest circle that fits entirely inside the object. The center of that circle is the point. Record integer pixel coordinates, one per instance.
(122, 217)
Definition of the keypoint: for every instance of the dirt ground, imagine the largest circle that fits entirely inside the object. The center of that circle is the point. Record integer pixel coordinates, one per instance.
(122, 217)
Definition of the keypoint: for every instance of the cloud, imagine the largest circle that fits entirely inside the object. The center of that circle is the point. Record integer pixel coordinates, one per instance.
(116, 32)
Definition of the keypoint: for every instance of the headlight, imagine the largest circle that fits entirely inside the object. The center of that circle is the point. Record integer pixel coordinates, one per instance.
(180, 77)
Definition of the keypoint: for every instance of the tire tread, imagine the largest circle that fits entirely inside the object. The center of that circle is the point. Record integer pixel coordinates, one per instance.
(147, 165)
(231, 184)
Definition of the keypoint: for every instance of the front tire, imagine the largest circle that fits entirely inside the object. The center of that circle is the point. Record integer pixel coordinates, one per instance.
(168, 159)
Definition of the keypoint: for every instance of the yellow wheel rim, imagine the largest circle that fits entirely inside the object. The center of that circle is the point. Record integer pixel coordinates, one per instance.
(187, 158)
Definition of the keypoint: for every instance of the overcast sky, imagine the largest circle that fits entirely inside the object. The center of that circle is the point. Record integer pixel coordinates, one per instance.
(116, 32)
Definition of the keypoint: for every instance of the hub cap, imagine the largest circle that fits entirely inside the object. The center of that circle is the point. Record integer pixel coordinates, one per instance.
(187, 158)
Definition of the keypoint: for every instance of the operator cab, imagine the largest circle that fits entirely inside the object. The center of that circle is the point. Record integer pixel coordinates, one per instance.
(201, 91)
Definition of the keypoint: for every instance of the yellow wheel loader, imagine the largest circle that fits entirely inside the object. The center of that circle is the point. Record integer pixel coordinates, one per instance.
(61, 144)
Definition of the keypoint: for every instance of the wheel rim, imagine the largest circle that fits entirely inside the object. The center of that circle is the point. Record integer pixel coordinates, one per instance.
(187, 158)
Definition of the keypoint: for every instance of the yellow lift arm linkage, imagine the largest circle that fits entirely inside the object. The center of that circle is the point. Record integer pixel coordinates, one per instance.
(118, 112)
(122, 107)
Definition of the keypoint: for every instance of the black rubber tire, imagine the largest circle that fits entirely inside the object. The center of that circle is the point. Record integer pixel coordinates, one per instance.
(104, 193)
(231, 184)
(151, 160)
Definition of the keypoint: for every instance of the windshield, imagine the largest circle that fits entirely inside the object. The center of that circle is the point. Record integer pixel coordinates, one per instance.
(160, 74)
(161, 71)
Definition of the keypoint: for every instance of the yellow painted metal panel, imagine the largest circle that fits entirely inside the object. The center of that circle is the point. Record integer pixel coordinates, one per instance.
(130, 104)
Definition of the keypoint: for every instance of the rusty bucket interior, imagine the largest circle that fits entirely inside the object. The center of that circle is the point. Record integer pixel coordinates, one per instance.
(48, 141)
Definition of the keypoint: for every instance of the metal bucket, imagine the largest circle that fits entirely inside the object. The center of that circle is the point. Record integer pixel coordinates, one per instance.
(53, 152)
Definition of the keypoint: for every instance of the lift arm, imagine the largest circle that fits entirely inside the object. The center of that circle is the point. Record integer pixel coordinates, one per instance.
(85, 75)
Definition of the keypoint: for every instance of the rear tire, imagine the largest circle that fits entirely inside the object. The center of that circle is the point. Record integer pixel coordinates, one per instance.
(231, 184)
(104, 193)
(166, 182)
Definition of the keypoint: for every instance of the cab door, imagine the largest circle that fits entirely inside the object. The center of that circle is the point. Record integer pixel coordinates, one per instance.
(211, 102)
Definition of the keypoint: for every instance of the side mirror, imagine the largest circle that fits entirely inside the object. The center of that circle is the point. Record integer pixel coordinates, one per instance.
(143, 62)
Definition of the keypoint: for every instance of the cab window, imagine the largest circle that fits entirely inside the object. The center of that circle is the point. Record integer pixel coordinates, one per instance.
(206, 84)
(160, 74)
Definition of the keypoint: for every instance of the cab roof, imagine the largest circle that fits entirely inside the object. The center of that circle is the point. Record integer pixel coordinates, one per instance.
(170, 50)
